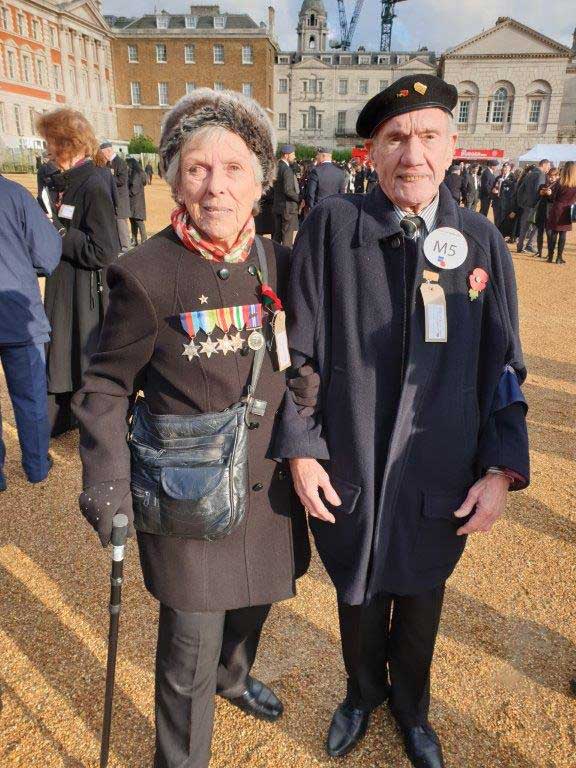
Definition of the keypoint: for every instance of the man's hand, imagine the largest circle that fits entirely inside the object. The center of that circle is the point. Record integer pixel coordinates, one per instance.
(309, 476)
(489, 496)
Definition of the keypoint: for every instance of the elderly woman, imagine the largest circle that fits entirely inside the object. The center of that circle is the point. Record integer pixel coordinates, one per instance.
(194, 327)
(75, 297)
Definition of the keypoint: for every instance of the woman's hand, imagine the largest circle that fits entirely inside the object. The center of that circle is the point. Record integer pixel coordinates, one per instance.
(309, 476)
(101, 502)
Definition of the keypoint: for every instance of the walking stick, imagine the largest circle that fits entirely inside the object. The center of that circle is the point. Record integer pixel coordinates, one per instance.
(119, 533)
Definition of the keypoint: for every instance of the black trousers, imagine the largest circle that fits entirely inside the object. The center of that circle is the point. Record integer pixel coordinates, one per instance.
(285, 224)
(199, 655)
(485, 205)
(138, 226)
(554, 237)
(388, 647)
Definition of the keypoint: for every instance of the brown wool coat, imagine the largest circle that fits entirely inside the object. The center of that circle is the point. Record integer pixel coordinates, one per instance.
(141, 349)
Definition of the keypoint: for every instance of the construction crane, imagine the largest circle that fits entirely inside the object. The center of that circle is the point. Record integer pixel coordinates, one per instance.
(347, 32)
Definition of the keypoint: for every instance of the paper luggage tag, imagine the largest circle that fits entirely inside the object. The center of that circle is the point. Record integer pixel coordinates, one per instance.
(436, 322)
(66, 211)
(281, 352)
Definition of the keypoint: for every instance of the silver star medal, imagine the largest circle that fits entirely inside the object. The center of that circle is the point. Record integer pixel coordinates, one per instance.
(225, 345)
(203, 299)
(190, 350)
(236, 341)
(209, 347)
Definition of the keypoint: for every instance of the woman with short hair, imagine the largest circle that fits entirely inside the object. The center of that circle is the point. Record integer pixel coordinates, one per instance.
(196, 324)
(75, 296)
(560, 217)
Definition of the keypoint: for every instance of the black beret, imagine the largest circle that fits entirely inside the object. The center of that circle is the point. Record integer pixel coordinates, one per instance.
(405, 95)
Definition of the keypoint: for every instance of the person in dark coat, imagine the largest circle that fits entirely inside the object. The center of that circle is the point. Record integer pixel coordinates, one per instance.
(44, 181)
(501, 198)
(455, 183)
(560, 216)
(527, 197)
(471, 187)
(29, 247)
(186, 312)
(360, 179)
(264, 219)
(75, 296)
(149, 171)
(412, 443)
(487, 181)
(543, 208)
(371, 177)
(324, 179)
(119, 169)
(286, 198)
(137, 180)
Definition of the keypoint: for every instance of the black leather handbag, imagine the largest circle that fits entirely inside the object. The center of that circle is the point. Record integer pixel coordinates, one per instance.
(189, 474)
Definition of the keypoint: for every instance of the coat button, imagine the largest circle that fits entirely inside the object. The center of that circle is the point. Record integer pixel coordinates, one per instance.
(223, 273)
(252, 270)
(395, 242)
(257, 487)
(281, 474)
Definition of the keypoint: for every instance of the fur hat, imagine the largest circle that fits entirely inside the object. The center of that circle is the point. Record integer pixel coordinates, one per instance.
(228, 109)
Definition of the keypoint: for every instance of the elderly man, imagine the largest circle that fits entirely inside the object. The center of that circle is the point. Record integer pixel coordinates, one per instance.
(325, 179)
(405, 306)
(286, 197)
(119, 170)
(528, 196)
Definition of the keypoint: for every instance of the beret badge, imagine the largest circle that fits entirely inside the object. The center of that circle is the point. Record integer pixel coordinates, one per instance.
(403, 93)
(420, 88)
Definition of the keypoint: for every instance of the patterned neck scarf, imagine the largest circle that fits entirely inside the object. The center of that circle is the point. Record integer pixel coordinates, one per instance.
(193, 240)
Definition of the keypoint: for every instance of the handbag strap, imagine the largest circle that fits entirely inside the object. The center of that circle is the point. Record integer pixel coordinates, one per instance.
(260, 353)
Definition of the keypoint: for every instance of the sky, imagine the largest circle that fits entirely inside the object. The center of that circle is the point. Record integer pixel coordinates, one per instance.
(437, 24)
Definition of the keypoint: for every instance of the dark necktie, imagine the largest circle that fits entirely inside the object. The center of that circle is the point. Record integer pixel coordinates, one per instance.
(412, 226)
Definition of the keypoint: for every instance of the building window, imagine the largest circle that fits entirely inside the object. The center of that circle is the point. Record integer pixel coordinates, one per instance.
(312, 118)
(84, 47)
(138, 130)
(191, 22)
(218, 86)
(342, 87)
(133, 54)
(345, 61)
(21, 25)
(73, 83)
(162, 21)
(312, 43)
(35, 29)
(535, 112)
(40, 69)
(403, 59)
(327, 59)
(282, 121)
(53, 38)
(189, 53)
(247, 89)
(247, 54)
(363, 60)
(5, 16)
(56, 77)
(2, 118)
(99, 87)
(11, 65)
(283, 85)
(218, 54)
(32, 118)
(219, 22)
(384, 60)
(499, 110)
(135, 93)
(283, 60)
(464, 112)
(363, 87)
(304, 121)
(18, 120)
(161, 53)
(341, 121)
(383, 85)
(190, 88)
(26, 69)
(312, 20)
(85, 84)
(163, 94)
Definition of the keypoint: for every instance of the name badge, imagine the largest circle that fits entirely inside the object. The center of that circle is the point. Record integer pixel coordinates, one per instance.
(66, 211)
(435, 319)
(446, 248)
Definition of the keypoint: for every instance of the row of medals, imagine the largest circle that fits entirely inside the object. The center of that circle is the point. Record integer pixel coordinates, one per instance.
(230, 342)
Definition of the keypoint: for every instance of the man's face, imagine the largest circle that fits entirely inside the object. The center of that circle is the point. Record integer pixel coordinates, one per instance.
(411, 154)
(108, 153)
(545, 167)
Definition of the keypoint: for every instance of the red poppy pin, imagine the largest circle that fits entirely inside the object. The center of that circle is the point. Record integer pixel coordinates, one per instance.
(478, 280)
(404, 92)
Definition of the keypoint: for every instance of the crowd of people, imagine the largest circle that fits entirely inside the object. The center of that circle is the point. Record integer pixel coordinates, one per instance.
(230, 391)
(527, 203)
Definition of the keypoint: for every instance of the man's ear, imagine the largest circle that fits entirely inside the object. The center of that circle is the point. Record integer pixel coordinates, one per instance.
(450, 150)
(369, 146)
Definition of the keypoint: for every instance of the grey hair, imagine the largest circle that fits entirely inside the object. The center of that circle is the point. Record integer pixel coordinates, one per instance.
(172, 175)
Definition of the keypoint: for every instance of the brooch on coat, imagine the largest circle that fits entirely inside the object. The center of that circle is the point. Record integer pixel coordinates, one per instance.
(478, 281)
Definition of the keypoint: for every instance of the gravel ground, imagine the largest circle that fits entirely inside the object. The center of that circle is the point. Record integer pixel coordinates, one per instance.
(507, 644)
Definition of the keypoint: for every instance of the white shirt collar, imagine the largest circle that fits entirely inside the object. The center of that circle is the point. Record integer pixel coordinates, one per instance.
(428, 214)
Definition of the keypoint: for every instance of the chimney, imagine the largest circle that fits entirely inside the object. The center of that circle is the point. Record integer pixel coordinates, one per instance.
(271, 21)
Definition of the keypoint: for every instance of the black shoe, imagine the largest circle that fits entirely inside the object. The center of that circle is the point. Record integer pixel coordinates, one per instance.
(347, 728)
(529, 249)
(423, 747)
(560, 261)
(550, 259)
(259, 701)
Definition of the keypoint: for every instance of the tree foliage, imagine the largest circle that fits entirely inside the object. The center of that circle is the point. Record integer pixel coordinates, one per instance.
(141, 144)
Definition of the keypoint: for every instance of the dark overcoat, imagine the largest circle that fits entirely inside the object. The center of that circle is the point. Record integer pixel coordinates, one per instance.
(324, 180)
(136, 183)
(559, 213)
(119, 169)
(74, 305)
(141, 348)
(405, 427)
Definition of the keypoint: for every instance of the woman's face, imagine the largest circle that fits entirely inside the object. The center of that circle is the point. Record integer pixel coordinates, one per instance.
(218, 184)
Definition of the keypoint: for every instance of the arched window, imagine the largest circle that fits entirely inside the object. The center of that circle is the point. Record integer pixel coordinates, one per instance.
(500, 106)
(312, 20)
(312, 43)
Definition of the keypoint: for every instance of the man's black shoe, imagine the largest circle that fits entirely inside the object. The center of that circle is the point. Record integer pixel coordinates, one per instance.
(347, 728)
(259, 701)
(423, 747)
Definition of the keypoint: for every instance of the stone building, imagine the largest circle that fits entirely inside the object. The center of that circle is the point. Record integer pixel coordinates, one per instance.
(567, 127)
(319, 91)
(512, 84)
(159, 58)
(53, 54)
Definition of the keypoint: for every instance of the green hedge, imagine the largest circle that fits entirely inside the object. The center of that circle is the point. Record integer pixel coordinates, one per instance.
(17, 168)
(305, 152)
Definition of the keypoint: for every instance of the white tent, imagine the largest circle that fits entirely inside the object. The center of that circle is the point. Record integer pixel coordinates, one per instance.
(556, 153)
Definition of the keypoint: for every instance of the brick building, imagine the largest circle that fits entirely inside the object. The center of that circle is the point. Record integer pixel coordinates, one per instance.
(53, 54)
(159, 58)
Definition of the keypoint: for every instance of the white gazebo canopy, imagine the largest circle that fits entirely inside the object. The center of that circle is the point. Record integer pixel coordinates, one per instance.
(556, 153)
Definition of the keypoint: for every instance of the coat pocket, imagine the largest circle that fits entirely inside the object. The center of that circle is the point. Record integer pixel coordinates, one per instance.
(437, 545)
(339, 542)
